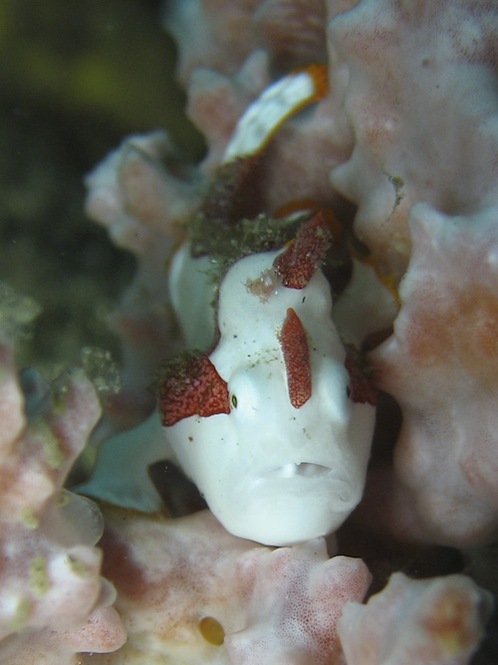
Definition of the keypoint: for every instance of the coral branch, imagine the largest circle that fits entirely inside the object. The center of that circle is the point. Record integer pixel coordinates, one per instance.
(53, 601)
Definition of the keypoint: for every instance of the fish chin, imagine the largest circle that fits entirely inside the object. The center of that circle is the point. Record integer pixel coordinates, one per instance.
(299, 470)
(290, 504)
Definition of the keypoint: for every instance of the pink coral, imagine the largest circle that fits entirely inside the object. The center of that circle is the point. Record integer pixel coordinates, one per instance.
(422, 102)
(223, 36)
(134, 195)
(170, 575)
(175, 577)
(53, 602)
(291, 31)
(441, 364)
(273, 36)
(434, 622)
(297, 595)
(144, 206)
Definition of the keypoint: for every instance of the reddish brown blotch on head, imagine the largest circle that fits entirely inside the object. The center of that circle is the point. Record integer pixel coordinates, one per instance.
(303, 255)
(296, 358)
(190, 385)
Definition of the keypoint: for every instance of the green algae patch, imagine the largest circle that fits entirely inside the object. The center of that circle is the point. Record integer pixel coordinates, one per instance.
(21, 615)
(30, 520)
(77, 567)
(38, 574)
(51, 446)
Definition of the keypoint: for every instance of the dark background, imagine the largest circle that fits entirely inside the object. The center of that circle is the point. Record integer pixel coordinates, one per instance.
(75, 79)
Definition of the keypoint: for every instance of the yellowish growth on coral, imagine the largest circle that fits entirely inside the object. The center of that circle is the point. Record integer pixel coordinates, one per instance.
(64, 499)
(448, 623)
(398, 183)
(29, 519)
(59, 392)
(390, 281)
(21, 615)
(212, 631)
(77, 567)
(38, 575)
(51, 446)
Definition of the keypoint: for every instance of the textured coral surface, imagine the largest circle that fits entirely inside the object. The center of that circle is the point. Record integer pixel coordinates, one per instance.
(269, 606)
(415, 621)
(422, 104)
(442, 366)
(53, 602)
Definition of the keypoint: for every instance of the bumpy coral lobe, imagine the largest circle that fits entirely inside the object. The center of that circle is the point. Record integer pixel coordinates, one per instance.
(292, 31)
(415, 621)
(436, 340)
(297, 359)
(297, 264)
(191, 386)
(297, 595)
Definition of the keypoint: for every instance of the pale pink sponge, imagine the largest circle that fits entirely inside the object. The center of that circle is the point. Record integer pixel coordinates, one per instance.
(297, 595)
(177, 584)
(441, 364)
(135, 196)
(53, 602)
(215, 33)
(190, 592)
(435, 622)
(422, 103)
(143, 205)
(236, 51)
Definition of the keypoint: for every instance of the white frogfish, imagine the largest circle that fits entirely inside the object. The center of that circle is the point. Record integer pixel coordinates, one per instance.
(270, 424)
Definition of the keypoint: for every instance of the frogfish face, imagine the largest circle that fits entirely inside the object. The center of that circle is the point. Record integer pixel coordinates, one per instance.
(277, 446)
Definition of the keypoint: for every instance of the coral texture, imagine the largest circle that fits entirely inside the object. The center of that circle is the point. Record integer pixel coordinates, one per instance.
(297, 596)
(53, 601)
(196, 594)
(442, 366)
(143, 206)
(190, 592)
(170, 575)
(434, 622)
(421, 100)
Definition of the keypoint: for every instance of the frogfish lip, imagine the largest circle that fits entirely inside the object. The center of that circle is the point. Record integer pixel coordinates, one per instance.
(299, 470)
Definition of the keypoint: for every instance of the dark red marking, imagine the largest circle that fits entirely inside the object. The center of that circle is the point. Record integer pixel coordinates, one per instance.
(374, 339)
(120, 567)
(296, 358)
(360, 382)
(190, 385)
(231, 194)
(299, 260)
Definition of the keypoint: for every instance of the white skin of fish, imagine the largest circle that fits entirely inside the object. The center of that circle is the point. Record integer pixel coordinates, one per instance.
(269, 471)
